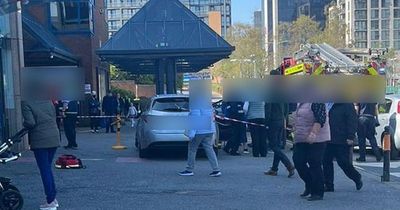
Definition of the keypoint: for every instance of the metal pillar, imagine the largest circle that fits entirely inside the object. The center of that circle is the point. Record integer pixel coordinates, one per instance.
(171, 76)
(160, 76)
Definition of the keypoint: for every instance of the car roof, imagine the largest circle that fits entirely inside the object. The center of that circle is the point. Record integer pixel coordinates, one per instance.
(170, 96)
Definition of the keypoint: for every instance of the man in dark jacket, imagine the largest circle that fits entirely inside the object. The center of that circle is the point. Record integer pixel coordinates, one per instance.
(234, 110)
(94, 110)
(40, 119)
(343, 123)
(110, 109)
(367, 121)
(71, 116)
(275, 115)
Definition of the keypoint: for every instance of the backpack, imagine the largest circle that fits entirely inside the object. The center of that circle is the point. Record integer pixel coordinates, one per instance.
(68, 162)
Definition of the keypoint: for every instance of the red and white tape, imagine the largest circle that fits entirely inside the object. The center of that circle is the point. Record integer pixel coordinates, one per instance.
(239, 121)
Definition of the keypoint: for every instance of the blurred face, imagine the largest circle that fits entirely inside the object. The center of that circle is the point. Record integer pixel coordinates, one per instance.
(109, 94)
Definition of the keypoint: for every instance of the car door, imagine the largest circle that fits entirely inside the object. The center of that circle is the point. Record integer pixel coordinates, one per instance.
(383, 117)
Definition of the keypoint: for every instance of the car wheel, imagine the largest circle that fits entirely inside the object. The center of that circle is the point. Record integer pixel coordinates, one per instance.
(11, 199)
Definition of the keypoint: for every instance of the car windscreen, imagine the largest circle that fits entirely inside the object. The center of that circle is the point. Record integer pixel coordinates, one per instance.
(171, 104)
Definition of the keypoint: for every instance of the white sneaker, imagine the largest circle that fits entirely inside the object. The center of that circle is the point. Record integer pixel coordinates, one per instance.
(49, 206)
(56, 202)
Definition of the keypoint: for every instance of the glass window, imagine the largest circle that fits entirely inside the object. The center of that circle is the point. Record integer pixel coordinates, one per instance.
(71, 15)
(385, 3)
(375, 24)
(360, 25)
(361, 44)
(385, 35)
(374, 35)
(396, 13)
(361, 36)
(396, 3)
(375, 14)
(397, 44)
(385, 44)
(385, 107)
(385, 24)
(361, 4)
(375, 44)
(396, 24)
(385, 13)
(374, 4)
(361, 14)
(396, 34)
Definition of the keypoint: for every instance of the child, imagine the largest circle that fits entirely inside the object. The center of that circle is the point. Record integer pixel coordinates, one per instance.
(132, 114)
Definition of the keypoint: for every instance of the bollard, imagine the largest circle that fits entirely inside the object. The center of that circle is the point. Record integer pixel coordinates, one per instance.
(386, 156)
(118, 145)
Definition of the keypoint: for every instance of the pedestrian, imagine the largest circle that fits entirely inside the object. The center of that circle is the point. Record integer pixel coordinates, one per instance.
(275, 121)
(255, 114)
(234, 110)
(203, 137)
(132, 114)
(71, 117)
(127, 106)
(343, 122)
(109, 106)
(121, 104)
(367, 121)
(40, 119)
(94, 112)
(311, 136)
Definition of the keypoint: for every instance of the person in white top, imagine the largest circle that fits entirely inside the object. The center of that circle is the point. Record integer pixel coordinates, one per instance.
(132, 114)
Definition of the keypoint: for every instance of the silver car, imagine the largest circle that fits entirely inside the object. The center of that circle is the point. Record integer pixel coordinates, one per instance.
(148, 137)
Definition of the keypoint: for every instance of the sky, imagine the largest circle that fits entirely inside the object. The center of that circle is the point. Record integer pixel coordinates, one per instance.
(242, 10)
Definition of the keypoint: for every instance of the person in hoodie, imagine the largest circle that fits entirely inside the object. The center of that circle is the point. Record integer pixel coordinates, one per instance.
(200, 105)
(343, 122)
(311, 136)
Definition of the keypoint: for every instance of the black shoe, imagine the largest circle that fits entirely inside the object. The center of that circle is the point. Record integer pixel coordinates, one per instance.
(315, 198)
(235, 153)
(329, 189)
(291, 171)
(186, 173)
(215, 174)
(359, 185)
(360, 159)
(305, 194)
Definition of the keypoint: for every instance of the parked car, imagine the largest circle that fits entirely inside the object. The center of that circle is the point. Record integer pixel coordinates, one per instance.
(148, 138)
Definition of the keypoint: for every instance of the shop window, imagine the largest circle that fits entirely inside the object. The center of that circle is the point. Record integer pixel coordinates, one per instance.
(71, 15)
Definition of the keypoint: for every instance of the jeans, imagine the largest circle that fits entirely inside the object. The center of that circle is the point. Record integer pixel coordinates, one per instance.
(258, 138)
(70, 130)
(366, 130)
(275, 138)
(343, 157)
(44, 160)
(234, 140)
(307, 159)
(207, 142)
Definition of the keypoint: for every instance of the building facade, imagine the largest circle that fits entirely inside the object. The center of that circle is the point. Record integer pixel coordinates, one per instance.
(372, 23)
(258, 19)
(120, 11)
(275, 12)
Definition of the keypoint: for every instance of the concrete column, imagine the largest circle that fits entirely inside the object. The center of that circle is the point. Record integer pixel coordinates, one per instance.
(171, 76)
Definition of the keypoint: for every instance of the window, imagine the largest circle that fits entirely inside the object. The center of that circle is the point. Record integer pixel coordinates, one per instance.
(385, 14)
(396, 13)
(361, 4)
(396, 34)
(361, 44)
(396, 3)
(361, 14)
(171, 104)
(361, 36)
(71, 15)
(385, 35)
(374, 4)
(385, 44)
(385, 24)
(396, 24)
(397, 44)
(375, 14)
(375, 24)
(361, 25)
(385, 3)
(374, 35)
(385, 107)
(375, 44)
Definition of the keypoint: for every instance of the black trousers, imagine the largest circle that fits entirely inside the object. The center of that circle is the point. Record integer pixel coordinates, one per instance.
(307, 159)
(366, 130)
(258, 138)
(341, 152)
(275, 139)
(234, 140)
(109, 122)
(70, 130)
(94, 122)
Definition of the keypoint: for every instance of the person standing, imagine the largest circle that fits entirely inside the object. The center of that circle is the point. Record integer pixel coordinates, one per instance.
(120, 104)
(256, 114)
(94, 111)
(367, 121)
(275, 120)
(109, 106)
(132, 114)
(343, 123)
(40, 118)
(235, 111)
(311, 136)
(71, 116)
